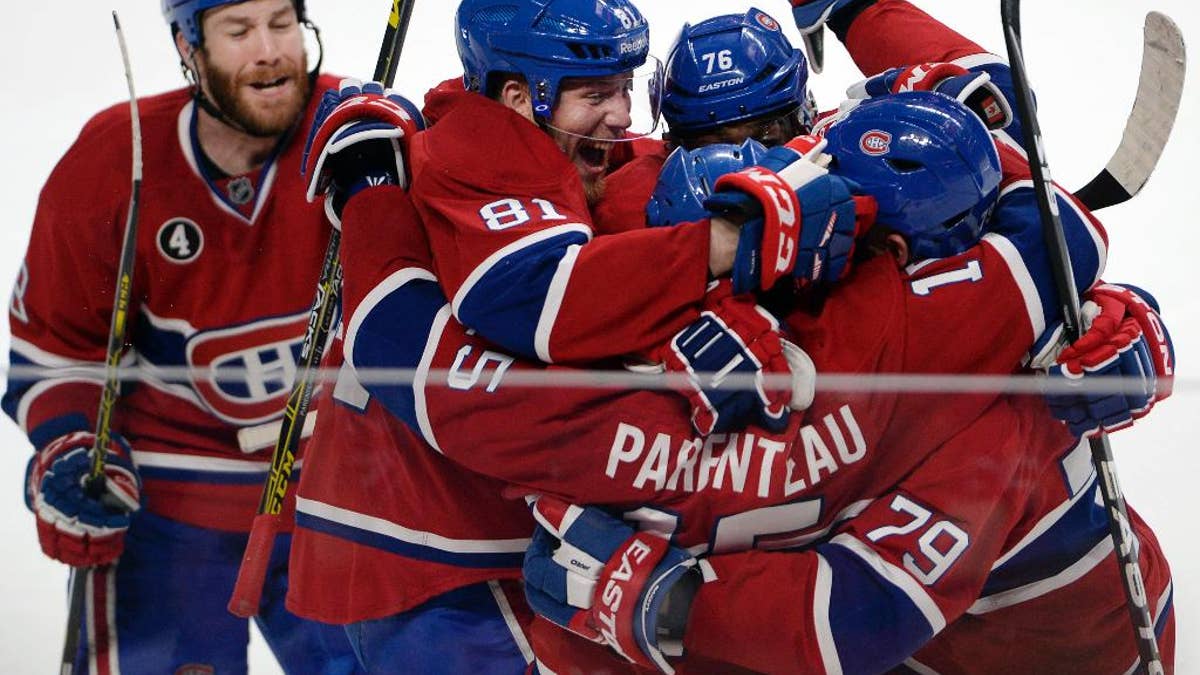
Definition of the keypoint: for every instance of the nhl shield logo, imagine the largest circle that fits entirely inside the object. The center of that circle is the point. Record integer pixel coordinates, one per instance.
(244, 374)
(875, 142)
(241, 191)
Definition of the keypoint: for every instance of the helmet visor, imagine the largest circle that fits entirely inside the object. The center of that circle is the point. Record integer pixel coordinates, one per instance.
(629, 103)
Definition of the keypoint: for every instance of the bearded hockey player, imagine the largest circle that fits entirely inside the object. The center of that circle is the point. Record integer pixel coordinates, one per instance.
(226, 259)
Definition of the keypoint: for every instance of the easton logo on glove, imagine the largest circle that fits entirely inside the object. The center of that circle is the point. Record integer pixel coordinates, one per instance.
(612, 614)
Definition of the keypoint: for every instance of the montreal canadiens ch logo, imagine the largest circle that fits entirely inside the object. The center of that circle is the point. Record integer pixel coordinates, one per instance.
(875, 142)
(244, 374)
(767, 22)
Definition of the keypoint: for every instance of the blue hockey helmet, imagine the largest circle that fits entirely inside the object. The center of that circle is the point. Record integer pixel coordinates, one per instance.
(185, 15)
(546, 41)
(731, 68)
(687, 177)
(928, 161)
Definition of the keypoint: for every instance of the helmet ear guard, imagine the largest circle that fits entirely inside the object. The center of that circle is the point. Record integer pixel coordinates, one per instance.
(929, 162)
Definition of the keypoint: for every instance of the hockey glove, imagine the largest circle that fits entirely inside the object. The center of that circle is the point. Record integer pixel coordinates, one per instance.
(355, 143)
(734, 336)
(74, 525)
(973, 89)
(595, 576)
(802, 220)
(1125, 338)
(811, 16)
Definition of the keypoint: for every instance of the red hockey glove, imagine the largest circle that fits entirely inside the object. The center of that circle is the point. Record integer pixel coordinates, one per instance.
(973, 89)
(1125, 338)
(355, 143)
(734, 336)
(803, 221)
(73, 525)
(594, 575)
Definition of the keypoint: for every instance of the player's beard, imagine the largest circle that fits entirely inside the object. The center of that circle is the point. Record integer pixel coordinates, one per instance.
(225, 88)
(594, 191)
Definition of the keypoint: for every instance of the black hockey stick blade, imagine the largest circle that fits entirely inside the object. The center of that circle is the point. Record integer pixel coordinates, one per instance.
(814, 47)
(1160, 87)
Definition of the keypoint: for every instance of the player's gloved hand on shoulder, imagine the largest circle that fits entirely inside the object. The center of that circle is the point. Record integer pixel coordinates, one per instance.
(801, 221)
(594, 575)
(76, 525)
(355, 143)
(811, 15)
(1124, 338)
(973, 89)
(724, 356)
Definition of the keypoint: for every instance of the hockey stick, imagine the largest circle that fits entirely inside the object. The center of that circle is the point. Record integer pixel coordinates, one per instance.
(1125, 544)
(94, 483)
(247, 592)
(1160, 87)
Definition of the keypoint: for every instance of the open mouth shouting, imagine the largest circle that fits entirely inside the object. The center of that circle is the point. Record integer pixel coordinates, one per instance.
(591, 157)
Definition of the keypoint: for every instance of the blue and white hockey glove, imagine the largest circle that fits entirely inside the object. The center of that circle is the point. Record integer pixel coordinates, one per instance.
(811, 15)
(73, 525)
(735, 337)
(355, 143)
(1126, 339)
(802, 220)
(973, 89)
(597, 577)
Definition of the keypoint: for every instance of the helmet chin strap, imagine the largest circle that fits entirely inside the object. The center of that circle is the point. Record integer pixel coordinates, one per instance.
(191, 72)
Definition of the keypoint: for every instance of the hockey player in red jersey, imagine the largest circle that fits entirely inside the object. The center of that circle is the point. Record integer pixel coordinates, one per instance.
(226, 259)
(547, 90)
(435, 532)
(513, 241)
(991, 555)
(715, 491)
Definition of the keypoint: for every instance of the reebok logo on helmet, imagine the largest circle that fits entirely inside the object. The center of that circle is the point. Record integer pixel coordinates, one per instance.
(638, 44)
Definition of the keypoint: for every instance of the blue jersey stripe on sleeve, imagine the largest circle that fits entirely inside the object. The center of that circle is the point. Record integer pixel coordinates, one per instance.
(391, 329)
(513, 297)
(1016, 231)
(877, 614)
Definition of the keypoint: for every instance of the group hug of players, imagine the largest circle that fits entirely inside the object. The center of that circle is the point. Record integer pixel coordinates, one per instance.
(521, 223)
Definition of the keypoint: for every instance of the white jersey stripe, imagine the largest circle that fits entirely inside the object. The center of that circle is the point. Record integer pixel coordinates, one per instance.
(510, 619)
(1041, 587)
(398, 532)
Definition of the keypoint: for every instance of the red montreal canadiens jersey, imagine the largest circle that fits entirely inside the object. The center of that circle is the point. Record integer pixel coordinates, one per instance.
(383, 520)
(513, 247)
(942, 522)
(224, 276)
(849, 456)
